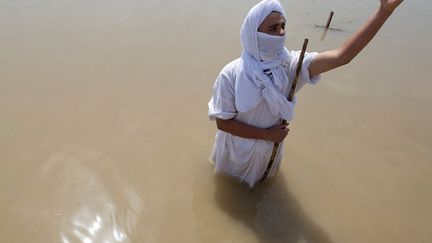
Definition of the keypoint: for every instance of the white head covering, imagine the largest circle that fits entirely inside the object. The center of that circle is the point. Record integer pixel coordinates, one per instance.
(252, 85)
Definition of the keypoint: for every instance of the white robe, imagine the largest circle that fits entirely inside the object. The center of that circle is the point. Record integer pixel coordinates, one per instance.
(243, 158)
(244, 93)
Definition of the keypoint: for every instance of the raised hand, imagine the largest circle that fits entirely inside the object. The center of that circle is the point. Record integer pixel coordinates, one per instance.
(390, 5)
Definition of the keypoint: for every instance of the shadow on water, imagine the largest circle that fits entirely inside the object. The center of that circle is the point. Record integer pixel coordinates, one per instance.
(270, 210)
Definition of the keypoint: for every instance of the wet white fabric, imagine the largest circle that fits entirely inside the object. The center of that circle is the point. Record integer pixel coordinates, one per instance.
(243, 92)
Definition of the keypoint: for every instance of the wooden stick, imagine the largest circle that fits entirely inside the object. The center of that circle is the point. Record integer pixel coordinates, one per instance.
(290, 98)
(327, 25)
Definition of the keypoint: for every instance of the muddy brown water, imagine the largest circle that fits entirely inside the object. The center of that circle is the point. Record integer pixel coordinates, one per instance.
(104, 135)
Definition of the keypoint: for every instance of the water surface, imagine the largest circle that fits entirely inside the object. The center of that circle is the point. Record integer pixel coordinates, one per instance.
(104, 135)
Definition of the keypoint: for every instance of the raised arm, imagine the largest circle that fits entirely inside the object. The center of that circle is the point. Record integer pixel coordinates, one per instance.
(329, 60)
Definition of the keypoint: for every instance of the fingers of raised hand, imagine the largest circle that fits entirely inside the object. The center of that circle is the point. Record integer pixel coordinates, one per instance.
(390, 5)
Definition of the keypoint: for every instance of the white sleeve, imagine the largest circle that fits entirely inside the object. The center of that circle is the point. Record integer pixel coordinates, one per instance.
(222, 103)
(304, 77)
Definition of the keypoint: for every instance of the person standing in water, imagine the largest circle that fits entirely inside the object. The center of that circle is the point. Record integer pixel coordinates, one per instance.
(250, 93)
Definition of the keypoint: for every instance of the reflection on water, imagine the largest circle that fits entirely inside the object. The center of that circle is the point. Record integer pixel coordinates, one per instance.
(94, 215)
(270, 210)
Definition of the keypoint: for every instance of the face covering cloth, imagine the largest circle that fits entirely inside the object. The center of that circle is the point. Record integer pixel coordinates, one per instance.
(270, 46)
(262, 52)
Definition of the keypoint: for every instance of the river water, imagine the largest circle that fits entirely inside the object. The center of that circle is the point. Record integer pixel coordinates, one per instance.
(104, 135)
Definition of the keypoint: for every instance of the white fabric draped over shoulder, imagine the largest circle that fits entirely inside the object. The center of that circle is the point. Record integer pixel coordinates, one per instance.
(245, 93)
(252, 85)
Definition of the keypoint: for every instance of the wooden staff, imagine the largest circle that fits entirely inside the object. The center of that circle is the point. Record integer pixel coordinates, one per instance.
(290, 98)
(327, 25)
